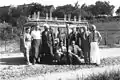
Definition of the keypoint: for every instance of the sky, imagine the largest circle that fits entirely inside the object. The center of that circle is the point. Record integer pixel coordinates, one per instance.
(56, 2)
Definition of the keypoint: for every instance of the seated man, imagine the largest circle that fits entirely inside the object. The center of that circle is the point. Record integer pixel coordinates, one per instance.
(75, 53)
(60, 51)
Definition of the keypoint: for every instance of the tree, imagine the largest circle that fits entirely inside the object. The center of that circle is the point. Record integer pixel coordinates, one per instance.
(20, 22)
(101, 8)
(61, 10)
(35, 7)
(118, 11)
(6, 33)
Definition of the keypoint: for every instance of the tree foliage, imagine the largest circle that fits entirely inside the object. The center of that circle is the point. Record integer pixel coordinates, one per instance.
(118, 11)
(61, 10)
(101, 8)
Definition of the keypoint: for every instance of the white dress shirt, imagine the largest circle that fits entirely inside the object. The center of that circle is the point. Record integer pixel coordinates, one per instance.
(36, 34)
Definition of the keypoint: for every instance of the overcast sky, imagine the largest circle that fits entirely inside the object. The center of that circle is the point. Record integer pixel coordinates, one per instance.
(116, 3)
(55, 2)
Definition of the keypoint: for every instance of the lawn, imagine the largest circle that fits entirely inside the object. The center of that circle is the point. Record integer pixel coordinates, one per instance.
(109, 31)
(19, 72)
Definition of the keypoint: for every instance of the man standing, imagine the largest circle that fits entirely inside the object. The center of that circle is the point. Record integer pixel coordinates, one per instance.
(36, 44)
(61, 36)
(95, 38)
(85, 44)
(73, 36)
(47, 43)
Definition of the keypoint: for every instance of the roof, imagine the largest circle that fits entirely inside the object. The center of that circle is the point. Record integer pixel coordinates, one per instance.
(56, 23)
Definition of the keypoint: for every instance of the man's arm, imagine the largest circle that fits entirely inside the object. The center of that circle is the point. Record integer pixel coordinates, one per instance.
(24, 37)
(78, 48)
(99, 36)
(32, 35)
(79, 37)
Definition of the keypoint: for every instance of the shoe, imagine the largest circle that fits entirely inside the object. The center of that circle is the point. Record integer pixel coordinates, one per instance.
(97, 64)
(28, 63)
(33, 63)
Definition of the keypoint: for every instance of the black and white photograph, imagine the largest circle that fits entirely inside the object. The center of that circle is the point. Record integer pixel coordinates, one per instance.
(59, 40)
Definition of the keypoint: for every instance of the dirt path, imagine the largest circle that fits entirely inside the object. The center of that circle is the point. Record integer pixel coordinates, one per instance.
(109, 52)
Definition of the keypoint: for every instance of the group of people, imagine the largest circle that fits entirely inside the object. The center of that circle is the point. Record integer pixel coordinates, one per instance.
(47, 46)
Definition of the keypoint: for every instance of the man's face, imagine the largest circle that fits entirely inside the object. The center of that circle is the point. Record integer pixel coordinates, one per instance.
(36, 28)
(28, 30)
(93, 28)
(73, 43)
(85, 28)
(46, 28)
(61, 43)
(73, 29)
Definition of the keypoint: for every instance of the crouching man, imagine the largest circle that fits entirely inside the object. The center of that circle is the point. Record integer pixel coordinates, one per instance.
(75, 53)
(60, 53)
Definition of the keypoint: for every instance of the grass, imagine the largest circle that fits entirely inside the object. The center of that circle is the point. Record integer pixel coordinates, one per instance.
(11, 45)
(19, 72)
(109, 30)
(112, 75)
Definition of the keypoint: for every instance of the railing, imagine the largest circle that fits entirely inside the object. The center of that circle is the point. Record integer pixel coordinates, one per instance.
(37, 18)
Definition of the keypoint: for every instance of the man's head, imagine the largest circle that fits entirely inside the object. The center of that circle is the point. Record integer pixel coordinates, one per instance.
(77, 29)
(73, 29)
(46, 26)
(93, 27)
(37, 27)
(73, 43)
(61, 43)
(27, 30)
(85, 28)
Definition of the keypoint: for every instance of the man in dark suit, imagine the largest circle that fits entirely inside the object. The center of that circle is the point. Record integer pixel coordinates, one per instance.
(72, 36)
(85, 44)
(47, 43)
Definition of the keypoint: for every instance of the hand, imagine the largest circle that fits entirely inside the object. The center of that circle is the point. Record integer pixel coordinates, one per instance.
(98, 43)
(52, 55)
(25, 46)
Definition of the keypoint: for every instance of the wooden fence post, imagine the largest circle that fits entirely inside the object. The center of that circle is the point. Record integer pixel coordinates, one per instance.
(65, 17)
(79, 18)
(38, 15)
(69, 17)
(46, 16)
(74, 18)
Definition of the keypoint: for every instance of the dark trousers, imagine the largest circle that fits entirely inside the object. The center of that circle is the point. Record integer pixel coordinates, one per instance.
(48, 52)
(74, 59)
(36, 49)
(87, 57)
(86, 52)
(47, 59)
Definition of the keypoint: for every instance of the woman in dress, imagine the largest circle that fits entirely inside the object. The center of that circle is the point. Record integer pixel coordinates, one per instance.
(27, 44)
(95, 38)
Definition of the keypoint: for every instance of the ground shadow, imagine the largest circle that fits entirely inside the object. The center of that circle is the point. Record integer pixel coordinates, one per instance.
(22, 61)
(13, 61)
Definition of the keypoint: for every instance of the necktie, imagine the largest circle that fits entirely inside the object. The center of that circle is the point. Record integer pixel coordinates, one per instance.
(73, 49)
(93, 36)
